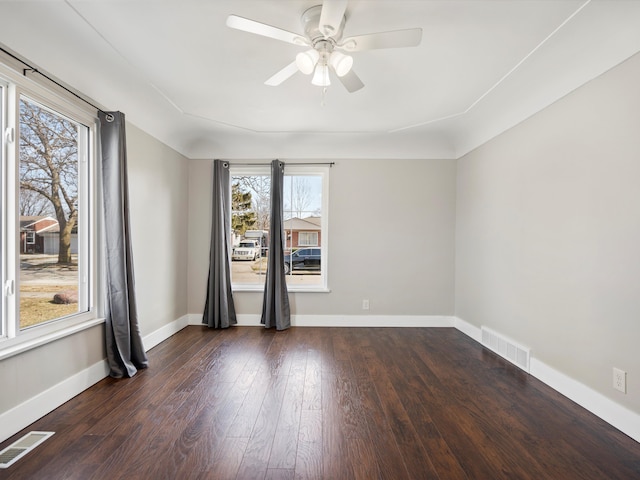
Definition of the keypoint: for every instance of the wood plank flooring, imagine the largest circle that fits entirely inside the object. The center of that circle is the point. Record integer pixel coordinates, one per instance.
(325, 403)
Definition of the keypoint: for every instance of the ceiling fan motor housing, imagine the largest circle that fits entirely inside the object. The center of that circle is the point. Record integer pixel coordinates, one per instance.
(311, 24)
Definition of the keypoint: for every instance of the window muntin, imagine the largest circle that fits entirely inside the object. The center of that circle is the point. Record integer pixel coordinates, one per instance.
(14, 336)
(305, 200)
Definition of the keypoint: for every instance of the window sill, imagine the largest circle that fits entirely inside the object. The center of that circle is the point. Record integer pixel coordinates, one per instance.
(24, 343)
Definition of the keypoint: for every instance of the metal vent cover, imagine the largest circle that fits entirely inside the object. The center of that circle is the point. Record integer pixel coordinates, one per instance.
(506, 348)
(21, 447)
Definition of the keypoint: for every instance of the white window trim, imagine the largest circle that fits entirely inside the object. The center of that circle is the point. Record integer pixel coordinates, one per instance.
(14, 341)
(5, 132)
(311, 169)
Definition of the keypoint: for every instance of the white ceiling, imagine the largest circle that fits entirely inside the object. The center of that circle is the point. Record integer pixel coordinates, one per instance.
(179, 73)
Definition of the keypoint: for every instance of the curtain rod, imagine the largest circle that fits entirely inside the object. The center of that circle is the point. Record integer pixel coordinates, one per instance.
(35, 70)
(331, 164)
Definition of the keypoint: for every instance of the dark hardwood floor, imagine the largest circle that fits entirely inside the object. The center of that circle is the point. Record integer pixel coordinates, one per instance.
(325, 403)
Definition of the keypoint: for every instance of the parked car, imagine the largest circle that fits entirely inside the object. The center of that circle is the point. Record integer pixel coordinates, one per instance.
(303, 259)
(247, 250)
(260, 236)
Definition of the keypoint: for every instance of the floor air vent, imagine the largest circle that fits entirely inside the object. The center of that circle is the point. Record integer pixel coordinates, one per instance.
(506, 348)
(20, 448)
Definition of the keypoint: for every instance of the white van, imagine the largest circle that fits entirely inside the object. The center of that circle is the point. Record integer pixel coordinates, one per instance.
(247, 250)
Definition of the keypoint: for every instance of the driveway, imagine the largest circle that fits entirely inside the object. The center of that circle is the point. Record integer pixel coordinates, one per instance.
(43, 269)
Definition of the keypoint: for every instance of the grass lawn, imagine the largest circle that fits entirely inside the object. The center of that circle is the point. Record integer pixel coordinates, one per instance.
(36, 304)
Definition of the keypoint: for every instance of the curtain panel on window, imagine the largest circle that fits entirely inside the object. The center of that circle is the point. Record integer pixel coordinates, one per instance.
(275, 306)
(125, 352)
(219, 309)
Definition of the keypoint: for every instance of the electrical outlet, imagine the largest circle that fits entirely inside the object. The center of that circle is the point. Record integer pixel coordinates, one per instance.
(365, 304)
(620, 380)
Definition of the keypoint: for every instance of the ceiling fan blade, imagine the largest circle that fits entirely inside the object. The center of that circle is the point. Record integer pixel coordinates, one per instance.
(351, 82)
(331, 16)
(410, 37)
(282, 75)
(251, 26)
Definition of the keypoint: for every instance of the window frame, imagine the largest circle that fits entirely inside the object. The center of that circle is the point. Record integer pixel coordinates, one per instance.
(4, 88)
(299, 169)
(13, 340)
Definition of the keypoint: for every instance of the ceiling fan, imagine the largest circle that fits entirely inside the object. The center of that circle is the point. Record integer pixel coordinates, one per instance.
(323, 26)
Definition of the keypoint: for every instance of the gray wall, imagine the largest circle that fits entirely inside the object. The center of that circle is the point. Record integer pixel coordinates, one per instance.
(548, 233)
(31, 373)
(158, 178)
(158, 187)
(391, 240)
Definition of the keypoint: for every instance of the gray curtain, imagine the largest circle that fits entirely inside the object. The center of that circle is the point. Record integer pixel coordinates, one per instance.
(219, 309)
(125, 352)
(275, 305)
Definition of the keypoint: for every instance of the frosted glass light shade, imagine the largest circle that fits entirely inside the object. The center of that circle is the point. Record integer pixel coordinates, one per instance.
(306, 61)
(341, 63)
(321, 76)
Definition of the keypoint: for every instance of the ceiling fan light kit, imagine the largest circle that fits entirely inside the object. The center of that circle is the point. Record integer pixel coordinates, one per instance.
(321, 76)
(323, 27)
(341, 63)
(309, 61)
(306, 61)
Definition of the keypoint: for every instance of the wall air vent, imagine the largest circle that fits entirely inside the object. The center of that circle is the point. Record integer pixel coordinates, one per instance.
(516, 354)
(21, 447)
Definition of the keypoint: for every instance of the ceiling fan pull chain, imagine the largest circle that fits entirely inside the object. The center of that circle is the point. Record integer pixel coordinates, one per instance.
(323, 102)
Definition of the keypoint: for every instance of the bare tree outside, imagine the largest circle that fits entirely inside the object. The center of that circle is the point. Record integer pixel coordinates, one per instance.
(299, 199)
(49, 169)
(33, 204)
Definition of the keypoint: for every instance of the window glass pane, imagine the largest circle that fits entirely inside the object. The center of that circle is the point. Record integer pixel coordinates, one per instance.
(250, 217)
(2, 214)
(49, 158)
(303, 228)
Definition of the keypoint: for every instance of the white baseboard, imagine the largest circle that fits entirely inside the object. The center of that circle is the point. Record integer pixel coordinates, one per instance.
(469, 330)
(616, 415)
(23, 415)
(370, 321)
(195, 318)
(245, 320)
(623, 419)
(160, 335)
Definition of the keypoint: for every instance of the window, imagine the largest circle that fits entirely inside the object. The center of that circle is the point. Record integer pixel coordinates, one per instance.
(47, 215)
(305, 201)
(308, 239)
